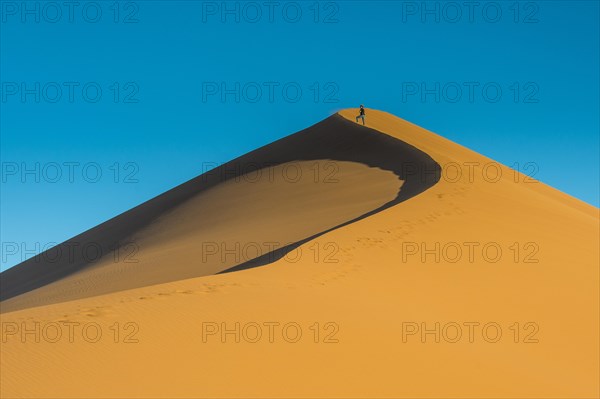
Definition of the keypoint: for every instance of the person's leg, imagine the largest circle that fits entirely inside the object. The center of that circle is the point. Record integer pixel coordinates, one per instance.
(363, 119)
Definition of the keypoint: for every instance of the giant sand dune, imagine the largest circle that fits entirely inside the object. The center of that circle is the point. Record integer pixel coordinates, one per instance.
(340, 261)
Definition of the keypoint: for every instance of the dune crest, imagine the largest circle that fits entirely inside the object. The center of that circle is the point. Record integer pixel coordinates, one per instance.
(246, 213)
(388, 304)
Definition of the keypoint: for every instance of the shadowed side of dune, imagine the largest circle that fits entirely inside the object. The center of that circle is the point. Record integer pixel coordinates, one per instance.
(335, 138)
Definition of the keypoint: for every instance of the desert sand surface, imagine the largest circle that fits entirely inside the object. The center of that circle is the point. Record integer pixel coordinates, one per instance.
(265, 201)
(406, 266)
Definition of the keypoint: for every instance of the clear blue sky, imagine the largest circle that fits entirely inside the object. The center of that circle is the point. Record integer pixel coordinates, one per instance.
(163, 118)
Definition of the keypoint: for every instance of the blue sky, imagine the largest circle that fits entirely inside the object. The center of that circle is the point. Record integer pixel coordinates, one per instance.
(110, 104)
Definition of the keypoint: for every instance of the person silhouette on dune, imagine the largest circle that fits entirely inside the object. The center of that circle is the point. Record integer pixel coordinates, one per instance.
(361, 114)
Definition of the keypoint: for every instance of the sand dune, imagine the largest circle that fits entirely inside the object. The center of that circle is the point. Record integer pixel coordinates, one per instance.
(375, 283)
(265, 202)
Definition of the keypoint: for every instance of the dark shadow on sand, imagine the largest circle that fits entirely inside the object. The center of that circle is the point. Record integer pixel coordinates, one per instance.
(334, 138)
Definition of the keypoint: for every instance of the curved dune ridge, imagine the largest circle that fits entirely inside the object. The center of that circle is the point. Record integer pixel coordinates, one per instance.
(351, 304)
(246, 213)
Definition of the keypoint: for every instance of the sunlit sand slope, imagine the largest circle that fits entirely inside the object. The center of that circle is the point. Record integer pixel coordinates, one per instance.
(245, 213)
(480, 284)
